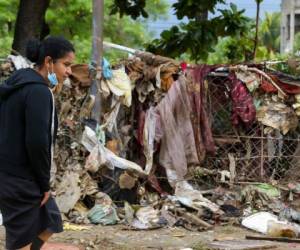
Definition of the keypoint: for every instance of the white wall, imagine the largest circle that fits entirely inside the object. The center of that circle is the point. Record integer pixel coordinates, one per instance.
(287, 30)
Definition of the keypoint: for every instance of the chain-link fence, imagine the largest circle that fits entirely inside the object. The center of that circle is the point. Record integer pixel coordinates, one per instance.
(247, 151)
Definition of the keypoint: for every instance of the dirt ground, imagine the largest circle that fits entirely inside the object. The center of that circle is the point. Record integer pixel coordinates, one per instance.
(117, 238)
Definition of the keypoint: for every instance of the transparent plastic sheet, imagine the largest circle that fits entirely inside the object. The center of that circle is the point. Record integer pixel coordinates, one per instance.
(92, 163)
(149, 138)
(103, 156)
(68, 192)
(192, 198)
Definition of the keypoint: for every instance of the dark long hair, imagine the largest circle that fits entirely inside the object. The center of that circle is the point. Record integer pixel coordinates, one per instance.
(54, 46)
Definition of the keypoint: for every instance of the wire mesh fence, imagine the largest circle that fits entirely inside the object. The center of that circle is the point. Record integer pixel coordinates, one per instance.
(251, 153)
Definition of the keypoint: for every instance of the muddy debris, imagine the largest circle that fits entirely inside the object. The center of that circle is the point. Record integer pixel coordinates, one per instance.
(140, 166)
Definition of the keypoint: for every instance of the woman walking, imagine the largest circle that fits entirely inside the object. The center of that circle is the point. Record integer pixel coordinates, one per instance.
(28, 125)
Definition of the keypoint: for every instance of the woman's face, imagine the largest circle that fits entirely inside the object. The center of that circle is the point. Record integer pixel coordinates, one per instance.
(62, 66)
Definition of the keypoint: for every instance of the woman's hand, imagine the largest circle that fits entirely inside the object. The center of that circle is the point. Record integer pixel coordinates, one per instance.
(45, 198)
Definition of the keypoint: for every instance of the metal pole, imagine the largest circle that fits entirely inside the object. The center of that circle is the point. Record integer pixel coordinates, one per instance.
(97, 50)
(119, 47)
(97, 54)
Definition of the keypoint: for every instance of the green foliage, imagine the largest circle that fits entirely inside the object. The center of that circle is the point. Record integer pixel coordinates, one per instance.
(133, 8)
(191, 9)
(269, 32)
(8, 12)
(288, 64)
(227, 38)
(136, 8)
(231, 50)
(297, 42)
(235, 49)
(197, 38)
(73, 19)
(5, 45)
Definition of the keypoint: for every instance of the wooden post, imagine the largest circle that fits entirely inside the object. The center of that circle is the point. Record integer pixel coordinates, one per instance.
(97, 54)
(258, 2)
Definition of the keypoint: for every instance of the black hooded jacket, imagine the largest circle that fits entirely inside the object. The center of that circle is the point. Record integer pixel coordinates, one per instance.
(28, 126)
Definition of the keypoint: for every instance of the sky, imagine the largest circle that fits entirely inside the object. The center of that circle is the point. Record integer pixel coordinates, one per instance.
(248, 5)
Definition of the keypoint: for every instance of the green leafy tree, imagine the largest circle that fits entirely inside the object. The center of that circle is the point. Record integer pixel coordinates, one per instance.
(231, 50)
(269, 32)
(8, 14)
(234, 50)
(228, 37)
(199, 36)
(297, 43)
(73, 19)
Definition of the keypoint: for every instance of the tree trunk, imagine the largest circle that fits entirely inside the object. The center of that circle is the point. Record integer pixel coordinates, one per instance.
(29, 24)
(202, 16)
(256, 28)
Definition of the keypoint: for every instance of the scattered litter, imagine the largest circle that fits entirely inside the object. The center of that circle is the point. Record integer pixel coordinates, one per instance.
(269, 224)
(19, 62)
(150, 153)
(193, 198)
(105, 215)
(259, 221)
(73, 227)
(290, 214)
(68, 192)
(120, 85)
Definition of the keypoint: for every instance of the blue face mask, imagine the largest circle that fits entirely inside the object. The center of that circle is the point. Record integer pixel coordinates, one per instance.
(52, 79)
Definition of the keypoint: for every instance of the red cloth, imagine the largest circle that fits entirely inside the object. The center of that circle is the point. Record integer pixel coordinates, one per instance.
(201, 119)
(243, 109)
(268, 87)
(287, 88)
(183, 66)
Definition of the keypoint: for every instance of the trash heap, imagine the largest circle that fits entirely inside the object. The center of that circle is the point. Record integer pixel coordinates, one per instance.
(139, 166)
(6, 69)
(108, 172)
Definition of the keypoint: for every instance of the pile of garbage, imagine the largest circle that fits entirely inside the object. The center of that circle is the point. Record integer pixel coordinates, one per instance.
(135, 167)
(107, 173)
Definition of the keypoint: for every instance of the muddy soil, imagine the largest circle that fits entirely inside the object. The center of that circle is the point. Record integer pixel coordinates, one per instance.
(117, 238)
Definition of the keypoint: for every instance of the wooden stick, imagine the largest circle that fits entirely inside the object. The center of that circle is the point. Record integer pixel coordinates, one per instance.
(196, 220)
(254, 137)
(221, 141)
(246, 68)
(281, 239)
(262, 153)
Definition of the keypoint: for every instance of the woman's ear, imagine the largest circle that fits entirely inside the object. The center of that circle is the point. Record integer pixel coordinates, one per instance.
(47, 62)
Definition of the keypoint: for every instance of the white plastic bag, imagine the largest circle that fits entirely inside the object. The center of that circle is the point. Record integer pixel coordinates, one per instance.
(259, 221)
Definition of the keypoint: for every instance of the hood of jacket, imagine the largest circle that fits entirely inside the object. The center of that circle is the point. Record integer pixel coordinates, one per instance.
(19, 79)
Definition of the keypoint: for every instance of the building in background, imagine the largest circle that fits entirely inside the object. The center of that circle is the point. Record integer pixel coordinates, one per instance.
(290, 24)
